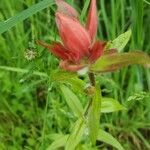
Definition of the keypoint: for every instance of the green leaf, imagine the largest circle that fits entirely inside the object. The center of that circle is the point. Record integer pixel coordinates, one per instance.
(72, 101)
(60, 142)
(94, 116)
(110, 105)
(54, 136)
(76, 134)
(114, 61)
(9, 23)
(61, 76)
(109, 139)
(70, 78)
(77, 84)
(120, 42)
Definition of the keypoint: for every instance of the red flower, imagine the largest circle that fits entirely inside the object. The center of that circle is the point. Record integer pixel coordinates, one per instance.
(79, 47)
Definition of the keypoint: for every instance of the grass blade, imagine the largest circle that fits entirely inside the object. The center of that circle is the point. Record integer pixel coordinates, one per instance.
(11, 22)
(19, 70)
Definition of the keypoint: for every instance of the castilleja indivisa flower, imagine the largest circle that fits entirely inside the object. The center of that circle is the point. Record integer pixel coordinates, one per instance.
(79, 48)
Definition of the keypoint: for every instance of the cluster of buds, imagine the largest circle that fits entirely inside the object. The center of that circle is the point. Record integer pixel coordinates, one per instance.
(79, 48)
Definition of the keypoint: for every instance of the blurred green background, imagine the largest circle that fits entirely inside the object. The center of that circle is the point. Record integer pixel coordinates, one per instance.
(31, 106)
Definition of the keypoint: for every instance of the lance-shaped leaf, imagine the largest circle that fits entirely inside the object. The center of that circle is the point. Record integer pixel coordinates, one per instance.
(72, 101)
(113, 61)
(110, 105)
(120, 42)
(59, 142)
(76, 135)
(109, 139)
(94, 115)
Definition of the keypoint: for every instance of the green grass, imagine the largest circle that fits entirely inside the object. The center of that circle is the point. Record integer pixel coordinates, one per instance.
(32, 109)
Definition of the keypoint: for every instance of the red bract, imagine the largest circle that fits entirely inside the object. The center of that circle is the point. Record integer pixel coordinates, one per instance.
(78, 49)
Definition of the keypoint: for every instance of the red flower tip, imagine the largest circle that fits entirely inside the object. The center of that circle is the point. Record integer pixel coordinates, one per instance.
(92, 21)
(66, 9)
(56, 49)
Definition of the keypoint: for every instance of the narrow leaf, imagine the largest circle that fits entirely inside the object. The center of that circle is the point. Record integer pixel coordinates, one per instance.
(60, 142)
(120, 42)
(23, 71)
(9, 23)
(110, 105)
(76, 134)
(109, 139)
(94, 116)
(114, 61)
(84, 10)
(72, 101)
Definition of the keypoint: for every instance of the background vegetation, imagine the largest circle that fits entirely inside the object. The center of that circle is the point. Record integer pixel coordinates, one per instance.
(31, 106)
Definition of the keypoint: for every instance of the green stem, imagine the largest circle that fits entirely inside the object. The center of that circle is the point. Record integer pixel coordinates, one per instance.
(44, 122)
(92, 82)
(92, 78)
